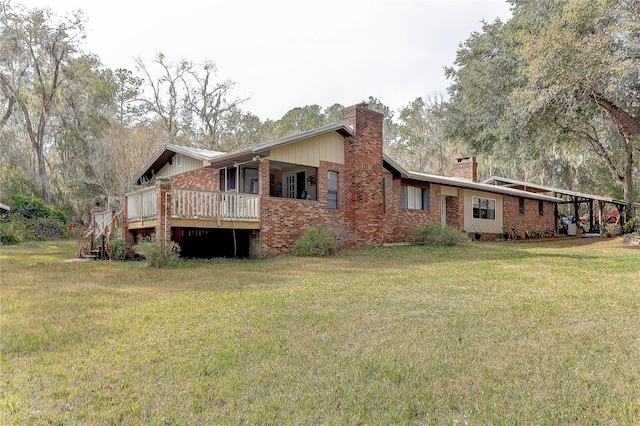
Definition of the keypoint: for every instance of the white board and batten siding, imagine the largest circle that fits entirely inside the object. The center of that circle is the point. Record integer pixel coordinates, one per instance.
(177, 166)
(309, 152)
(489, 226)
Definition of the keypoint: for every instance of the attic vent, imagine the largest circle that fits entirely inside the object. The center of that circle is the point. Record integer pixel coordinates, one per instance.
(178, 160)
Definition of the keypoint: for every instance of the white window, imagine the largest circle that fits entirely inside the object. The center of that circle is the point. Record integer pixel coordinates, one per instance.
(415, 198)
(484, 208)
(179, 160)
(332, 190)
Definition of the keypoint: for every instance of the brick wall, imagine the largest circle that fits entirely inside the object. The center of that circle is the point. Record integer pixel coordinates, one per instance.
(455, 210)
(530, 221)
(205, 179)
(284, 219)
(399, 222)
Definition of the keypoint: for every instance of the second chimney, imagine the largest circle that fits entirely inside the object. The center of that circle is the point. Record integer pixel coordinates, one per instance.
(466, 168)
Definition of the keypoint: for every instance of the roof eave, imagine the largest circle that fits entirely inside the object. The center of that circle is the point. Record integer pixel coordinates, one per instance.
(555, 190)
(164, 154)
(230, 159)
(468, 184)
(149, 165)
(396, 169)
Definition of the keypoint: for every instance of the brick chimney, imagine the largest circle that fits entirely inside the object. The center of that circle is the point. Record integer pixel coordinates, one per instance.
(466, 168)
(364, 175)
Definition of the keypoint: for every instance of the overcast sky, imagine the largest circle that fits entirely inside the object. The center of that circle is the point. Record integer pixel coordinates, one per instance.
(285, 53)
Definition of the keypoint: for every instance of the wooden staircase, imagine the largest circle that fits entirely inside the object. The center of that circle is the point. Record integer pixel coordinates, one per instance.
(103, 225)
(96, 253)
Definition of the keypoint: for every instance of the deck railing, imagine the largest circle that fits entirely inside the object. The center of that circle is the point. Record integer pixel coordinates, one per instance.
(142, 204)
(194, 204)
(197, 204)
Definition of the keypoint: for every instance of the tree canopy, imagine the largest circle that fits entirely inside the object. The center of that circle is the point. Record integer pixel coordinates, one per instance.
(552, 88)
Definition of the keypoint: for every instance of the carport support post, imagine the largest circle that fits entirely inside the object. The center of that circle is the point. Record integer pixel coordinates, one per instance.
(576, 218)
(622, 213)
(600, 207)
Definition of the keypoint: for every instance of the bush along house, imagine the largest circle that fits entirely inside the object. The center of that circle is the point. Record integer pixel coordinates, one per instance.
(258, 201)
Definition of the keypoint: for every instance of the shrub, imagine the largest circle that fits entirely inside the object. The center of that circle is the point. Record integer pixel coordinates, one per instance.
(118, 249)
(34, 208)
(158, 256)
(433, 234)
(318, 241)
(630, 225)
(12, 231)
(613, 229)
(31, 219)
(46, 228)
(18, 229)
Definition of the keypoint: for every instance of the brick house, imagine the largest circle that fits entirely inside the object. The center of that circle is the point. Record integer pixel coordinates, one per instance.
(258, 201)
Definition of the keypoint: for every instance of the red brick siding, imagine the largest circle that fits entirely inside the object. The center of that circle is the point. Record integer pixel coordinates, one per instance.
(530, 221)
(285, 219)
(205, 179)
(455, 210)
(399, 222)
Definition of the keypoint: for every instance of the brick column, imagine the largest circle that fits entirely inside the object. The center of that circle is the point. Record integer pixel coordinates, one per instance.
(165, 210)
(126, 235)
(264, 178)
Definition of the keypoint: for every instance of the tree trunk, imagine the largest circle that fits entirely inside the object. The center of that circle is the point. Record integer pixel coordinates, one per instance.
(627, 182)
(44, 177)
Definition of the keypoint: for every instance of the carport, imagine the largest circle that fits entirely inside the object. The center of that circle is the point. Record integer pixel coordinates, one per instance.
(569, 197)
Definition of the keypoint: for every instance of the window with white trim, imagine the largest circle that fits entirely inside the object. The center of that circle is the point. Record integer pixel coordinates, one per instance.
(332, 190)
(484, 208)
(415, 198)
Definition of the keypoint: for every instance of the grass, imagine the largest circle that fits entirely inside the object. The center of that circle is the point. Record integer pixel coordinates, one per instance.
(482, 333)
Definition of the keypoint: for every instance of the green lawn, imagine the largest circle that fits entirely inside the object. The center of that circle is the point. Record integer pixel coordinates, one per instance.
(482, 333)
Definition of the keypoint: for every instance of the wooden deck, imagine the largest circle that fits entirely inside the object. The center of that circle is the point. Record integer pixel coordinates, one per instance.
(192, 208)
